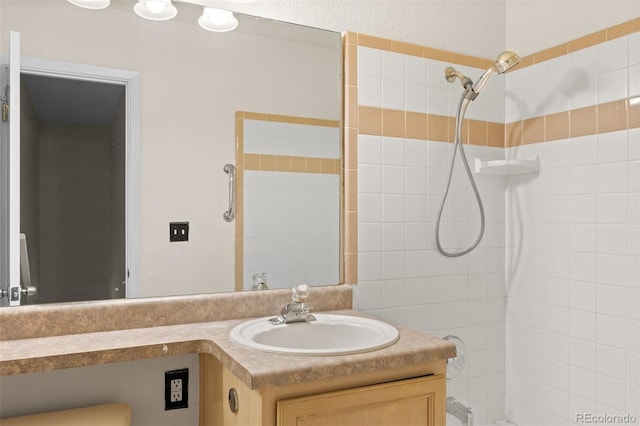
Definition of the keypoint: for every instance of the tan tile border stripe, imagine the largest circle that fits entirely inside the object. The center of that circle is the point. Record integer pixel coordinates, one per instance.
(598, 37)
(617, 31)
(431, 127)
(597, 119)
(282, 163)
(272, 163)
(286, 119)
(572, 123)
(364, 40)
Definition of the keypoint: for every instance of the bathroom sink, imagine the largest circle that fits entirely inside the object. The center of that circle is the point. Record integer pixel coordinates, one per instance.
(330, 334)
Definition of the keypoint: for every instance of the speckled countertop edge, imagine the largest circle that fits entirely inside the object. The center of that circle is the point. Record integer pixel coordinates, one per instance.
(255, 369)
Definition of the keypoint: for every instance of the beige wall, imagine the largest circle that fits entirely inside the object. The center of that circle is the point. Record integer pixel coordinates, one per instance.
(480, 28)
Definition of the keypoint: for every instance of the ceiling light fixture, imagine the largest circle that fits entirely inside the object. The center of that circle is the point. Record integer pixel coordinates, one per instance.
(217, 20)
(155, 10)
(91, 4)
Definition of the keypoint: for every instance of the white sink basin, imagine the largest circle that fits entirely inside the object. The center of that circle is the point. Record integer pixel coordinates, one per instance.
(330, 334)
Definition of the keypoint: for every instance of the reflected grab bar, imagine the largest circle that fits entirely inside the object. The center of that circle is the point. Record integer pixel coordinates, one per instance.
(25, 268)
(230, 214)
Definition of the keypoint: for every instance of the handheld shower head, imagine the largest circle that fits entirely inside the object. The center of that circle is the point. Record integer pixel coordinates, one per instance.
(504, 62)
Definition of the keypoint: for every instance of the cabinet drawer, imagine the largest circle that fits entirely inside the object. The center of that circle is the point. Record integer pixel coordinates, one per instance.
(411, 402)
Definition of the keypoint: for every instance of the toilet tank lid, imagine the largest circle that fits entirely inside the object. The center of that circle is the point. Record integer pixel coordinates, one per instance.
(116, 414)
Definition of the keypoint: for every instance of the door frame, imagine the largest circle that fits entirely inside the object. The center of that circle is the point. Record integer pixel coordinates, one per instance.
(131, 81)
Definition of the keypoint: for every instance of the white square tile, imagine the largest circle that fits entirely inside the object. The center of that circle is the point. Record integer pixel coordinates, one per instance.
(393, 66)
(416, 182)
(415, 263)
(613, 54)
(369, 62)
(634, 48)
(416, 96)
(633, 367)
(369, 179)
(416, 237)
(610, 391)
(369, 295)
(370, 91)
(369, 237)
(612, 147)
(611, 361)
(611, 330)
(393, 94)
(393, 150)
(611, 269)
(612, 208)
(582, 295)
(633, 178)
(416, 70)
(369, 149)
(633, 303)
(393, 180)
(370, 266)
(584, 150)
(393, 265)
(612, 85)
(583, 237)
(393, 237)
(634, 80)
(583, 208)
(392, 294)
(582, 325)
(416, 208)
(582, 382)
(612, 178)
(583, 180)
(582, 353)
(393, 208)
(612, 239)
(369, 208)
(582, 267)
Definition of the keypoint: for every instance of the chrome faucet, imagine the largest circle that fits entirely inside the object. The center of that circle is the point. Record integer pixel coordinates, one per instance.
(297, 310)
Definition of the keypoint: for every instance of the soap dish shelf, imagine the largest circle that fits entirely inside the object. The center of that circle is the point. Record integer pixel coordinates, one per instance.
(508, 167)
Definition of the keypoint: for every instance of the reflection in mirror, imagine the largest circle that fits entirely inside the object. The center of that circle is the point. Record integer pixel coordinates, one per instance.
(191, 84)
(290, 173)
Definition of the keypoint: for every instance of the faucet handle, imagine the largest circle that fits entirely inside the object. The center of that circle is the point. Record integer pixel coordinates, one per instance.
(300, 293)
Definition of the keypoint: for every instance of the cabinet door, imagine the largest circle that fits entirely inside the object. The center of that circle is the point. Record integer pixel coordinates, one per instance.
(412, 402)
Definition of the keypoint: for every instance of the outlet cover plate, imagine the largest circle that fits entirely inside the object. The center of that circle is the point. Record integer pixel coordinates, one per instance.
(176, 389)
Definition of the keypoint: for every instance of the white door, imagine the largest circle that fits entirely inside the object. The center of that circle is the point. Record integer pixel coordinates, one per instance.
(10, 232)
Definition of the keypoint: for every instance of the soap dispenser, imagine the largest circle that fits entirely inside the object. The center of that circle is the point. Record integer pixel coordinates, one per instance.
(260, 281)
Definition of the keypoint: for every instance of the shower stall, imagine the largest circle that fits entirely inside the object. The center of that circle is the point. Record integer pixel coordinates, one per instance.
(548, 303)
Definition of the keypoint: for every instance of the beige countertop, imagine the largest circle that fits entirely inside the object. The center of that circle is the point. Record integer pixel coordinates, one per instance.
(57, 336)
(256, 369)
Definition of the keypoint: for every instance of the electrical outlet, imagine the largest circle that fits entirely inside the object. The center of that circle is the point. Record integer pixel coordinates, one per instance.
(178, 231)
(176, 389)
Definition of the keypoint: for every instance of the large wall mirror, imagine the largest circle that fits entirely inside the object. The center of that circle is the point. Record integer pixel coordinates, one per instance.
(129, 123)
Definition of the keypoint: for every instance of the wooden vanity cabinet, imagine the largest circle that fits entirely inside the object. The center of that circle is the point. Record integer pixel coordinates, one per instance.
(405, 396)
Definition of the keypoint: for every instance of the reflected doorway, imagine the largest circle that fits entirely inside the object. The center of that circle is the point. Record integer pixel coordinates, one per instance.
(73, 187)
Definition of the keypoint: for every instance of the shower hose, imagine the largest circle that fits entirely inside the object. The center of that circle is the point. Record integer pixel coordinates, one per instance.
(462, 108)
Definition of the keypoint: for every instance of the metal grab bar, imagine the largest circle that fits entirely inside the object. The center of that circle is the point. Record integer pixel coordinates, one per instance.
(230, 214)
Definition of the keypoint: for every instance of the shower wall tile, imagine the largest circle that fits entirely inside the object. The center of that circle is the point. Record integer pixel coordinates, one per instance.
(592, 309)
(402, 278)
(560, 260)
